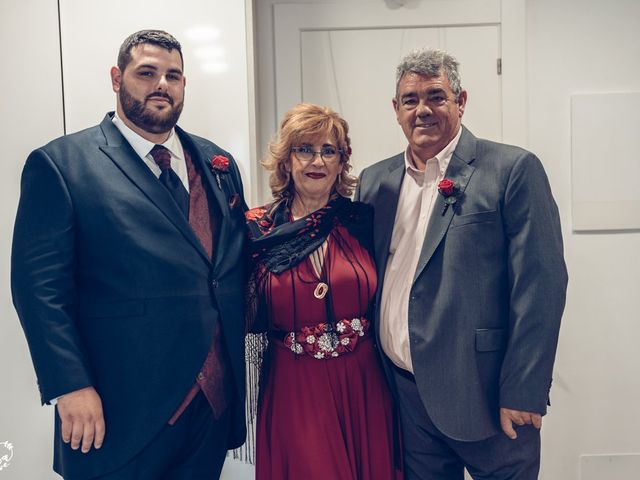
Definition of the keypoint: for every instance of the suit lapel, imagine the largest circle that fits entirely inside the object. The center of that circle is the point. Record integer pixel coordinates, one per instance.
(128, 161)
(460, 171)
(201, 155)
(385, 209)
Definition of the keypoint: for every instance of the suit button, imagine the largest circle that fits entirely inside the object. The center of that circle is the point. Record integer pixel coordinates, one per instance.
(214, 283)
(200, 376)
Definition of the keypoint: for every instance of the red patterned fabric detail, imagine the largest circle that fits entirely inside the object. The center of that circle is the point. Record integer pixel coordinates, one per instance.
(321, 342)
(200, 217)
(214, 379)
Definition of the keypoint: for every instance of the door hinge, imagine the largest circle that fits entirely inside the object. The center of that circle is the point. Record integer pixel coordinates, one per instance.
(499, 66)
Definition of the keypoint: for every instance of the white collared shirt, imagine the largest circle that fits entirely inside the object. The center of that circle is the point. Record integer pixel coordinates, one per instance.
(143, 147)
(416, 201)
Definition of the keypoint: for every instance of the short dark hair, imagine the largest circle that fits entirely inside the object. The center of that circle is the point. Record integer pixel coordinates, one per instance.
(154, 37)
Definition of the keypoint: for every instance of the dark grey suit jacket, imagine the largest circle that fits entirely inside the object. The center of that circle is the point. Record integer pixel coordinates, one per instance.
(489, 289)
(114, 289)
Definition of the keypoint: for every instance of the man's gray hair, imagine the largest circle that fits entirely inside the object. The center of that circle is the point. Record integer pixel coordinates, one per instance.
(430, 62)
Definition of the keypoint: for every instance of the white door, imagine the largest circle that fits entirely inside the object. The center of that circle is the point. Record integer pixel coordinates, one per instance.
(344, 56)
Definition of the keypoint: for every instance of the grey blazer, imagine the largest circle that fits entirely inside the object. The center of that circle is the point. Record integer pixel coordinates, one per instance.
(489, 289)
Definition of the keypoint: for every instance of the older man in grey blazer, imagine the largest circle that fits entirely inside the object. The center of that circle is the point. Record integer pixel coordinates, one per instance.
(469, 247)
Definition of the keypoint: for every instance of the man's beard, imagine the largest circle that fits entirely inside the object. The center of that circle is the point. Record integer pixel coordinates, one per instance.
(146, 119)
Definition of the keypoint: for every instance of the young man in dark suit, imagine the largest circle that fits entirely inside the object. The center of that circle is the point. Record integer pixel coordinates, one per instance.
(127, 275)
(469, 247)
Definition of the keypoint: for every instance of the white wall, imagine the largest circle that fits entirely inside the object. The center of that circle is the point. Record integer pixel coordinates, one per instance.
(588, 46)
(218, 51)
(30, 115)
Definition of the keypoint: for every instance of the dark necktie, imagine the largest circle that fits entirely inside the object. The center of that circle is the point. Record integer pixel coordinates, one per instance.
(170, 179)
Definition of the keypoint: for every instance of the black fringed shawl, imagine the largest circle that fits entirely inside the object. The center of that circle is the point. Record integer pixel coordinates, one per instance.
(277, 244)
(280, 244)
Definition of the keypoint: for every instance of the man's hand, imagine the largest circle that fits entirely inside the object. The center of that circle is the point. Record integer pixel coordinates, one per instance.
(82, 419)
(508, 417)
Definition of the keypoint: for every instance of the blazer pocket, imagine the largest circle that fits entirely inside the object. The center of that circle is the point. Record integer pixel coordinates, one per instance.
(469, 218)
(128, 308)
(490, 339)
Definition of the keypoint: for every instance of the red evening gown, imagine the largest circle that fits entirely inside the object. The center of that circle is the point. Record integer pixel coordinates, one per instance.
(331, 418)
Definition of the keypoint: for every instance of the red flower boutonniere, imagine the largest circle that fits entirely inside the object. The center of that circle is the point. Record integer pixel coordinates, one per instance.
(219, 164)
(449, 190)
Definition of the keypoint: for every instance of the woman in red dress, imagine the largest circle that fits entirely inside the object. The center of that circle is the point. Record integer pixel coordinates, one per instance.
(324, 411)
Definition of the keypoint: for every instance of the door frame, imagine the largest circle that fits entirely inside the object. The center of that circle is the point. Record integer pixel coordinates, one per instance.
(290, 20)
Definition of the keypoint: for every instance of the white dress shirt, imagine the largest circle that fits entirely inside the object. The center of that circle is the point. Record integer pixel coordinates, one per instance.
(418, 195)
(143, 147)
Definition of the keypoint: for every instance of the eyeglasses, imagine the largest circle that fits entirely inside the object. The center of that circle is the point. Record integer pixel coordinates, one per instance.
(306, 154)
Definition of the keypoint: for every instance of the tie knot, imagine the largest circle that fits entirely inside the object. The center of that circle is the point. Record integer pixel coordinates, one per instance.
(162, 157)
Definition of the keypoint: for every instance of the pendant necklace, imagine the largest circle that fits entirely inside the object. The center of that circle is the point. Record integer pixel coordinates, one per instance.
(321, 290)
(317, 262)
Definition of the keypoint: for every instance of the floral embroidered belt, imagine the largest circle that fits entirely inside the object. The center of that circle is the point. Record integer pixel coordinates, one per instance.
(324, 340)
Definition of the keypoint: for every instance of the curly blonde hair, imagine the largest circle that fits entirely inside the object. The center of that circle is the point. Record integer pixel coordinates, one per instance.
(307, 123)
